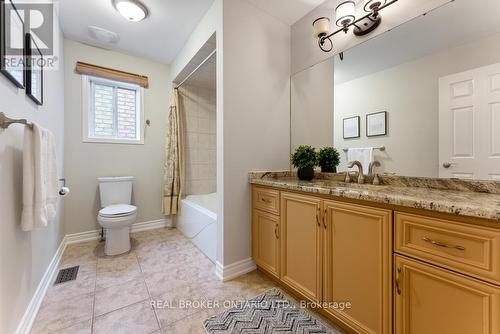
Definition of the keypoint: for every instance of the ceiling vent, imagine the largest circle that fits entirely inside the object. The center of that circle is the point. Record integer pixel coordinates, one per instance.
(103, 35)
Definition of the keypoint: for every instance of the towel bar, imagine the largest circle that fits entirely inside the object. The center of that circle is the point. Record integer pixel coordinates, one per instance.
(381, 148)
(5, 121)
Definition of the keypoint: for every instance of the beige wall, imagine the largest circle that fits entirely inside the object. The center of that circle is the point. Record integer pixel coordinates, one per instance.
(25, 256)
(256, 112)
(305, 50)
(85, 162)
(410, 94)
(210, 24)
(200, 138)
(312, 92)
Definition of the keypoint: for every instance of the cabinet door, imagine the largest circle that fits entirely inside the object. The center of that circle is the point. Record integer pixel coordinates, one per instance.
(358, 266)
(265, 241)
(301, 244)
(430, 300)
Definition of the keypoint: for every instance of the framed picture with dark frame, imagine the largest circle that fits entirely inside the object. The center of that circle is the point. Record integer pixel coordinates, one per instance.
(352, 127)
(376, 124)
(12, 43)
(34, 71)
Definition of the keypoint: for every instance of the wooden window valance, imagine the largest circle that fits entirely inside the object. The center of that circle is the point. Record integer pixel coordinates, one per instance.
(109, 73)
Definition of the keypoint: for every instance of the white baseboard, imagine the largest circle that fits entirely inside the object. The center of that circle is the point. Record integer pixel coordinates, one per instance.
(29, 316)
(82, 237)
(231, 271)
(137, 227)
(151, 225)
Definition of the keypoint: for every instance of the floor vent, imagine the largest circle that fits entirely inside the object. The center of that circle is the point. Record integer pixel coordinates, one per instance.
(66, 275)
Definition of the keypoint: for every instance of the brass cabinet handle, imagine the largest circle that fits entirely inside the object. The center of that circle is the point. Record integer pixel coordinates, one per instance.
(265, 200)
(276, 233)
(442, 244)
(398, 287)
(324, 219)
(317, 216)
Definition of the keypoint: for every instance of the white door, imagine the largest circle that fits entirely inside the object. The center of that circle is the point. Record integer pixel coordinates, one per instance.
(469, 124)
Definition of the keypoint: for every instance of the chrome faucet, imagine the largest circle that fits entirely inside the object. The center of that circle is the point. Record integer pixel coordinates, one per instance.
(373, 164)
(361, 177)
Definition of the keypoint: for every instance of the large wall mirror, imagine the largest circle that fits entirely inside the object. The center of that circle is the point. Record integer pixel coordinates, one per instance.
(435, 81)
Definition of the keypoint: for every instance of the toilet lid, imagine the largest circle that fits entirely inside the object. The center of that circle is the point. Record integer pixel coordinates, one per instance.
(117, 210)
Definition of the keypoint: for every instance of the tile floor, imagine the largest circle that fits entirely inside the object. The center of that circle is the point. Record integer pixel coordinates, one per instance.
(164, 285)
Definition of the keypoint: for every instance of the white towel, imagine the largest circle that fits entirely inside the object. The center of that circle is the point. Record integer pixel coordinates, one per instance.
(363, 155)
(40, 181)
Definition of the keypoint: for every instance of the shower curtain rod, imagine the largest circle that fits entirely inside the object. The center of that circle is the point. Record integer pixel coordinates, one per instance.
(196, 69)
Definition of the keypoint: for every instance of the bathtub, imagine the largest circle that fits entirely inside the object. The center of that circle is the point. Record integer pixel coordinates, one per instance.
(197, 222)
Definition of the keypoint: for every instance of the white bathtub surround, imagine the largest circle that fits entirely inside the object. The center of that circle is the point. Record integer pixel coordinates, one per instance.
(174, 160)
(198, 222)
(207, 201)
(40, 181)
(198, 110)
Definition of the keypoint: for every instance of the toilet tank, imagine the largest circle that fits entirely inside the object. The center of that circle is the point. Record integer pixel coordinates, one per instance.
(115, 190)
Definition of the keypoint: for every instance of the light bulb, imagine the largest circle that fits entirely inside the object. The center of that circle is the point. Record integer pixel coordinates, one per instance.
(321, 27)
(371, 5)
(346, 13)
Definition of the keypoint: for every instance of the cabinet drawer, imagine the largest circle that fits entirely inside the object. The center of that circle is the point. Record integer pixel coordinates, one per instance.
(432, 300)
(266, 200)
(473, 250)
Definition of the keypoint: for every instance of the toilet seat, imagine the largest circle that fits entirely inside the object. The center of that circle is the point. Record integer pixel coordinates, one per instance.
(117, 211)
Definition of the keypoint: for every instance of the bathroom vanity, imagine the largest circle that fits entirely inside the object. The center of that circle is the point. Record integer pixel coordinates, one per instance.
(382, 259)
(418, 254)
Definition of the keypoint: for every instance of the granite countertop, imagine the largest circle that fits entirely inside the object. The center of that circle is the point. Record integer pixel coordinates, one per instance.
(463, 203)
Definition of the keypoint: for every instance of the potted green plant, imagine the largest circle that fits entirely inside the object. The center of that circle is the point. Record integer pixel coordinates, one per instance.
(305, 159)
(328, 159)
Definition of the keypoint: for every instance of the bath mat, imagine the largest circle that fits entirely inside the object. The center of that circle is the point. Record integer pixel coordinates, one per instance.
(271, 312)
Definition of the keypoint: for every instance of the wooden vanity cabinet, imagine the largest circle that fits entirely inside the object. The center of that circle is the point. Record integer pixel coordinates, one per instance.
(266, 230)
(446, 276)
(336, 252)
(265, 241)
(440, 276)
(468, 249)
(431, 300)
(358, 265)
(301, 244)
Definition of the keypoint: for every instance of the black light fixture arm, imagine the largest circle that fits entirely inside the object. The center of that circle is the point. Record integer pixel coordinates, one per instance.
(325, 43)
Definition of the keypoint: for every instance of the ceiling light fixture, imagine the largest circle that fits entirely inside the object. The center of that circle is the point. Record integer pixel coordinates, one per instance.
(132, 10)
(346, 17)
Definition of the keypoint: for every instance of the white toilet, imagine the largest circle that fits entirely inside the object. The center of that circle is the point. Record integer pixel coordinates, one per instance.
(116, 215)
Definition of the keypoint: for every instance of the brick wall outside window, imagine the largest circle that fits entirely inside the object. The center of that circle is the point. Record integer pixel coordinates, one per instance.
(113, 111)
(126, 122)
(103, 111)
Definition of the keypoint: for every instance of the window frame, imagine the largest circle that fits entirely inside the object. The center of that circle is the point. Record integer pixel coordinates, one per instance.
(88, 115)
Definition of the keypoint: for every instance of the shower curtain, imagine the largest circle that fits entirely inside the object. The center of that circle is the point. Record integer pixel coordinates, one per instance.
(174, 160)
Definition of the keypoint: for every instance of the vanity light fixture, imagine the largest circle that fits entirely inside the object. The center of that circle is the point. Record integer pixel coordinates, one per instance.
(345, 14)
(132, 10)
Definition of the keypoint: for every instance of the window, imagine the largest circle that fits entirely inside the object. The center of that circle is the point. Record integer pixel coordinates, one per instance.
(112, 111)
